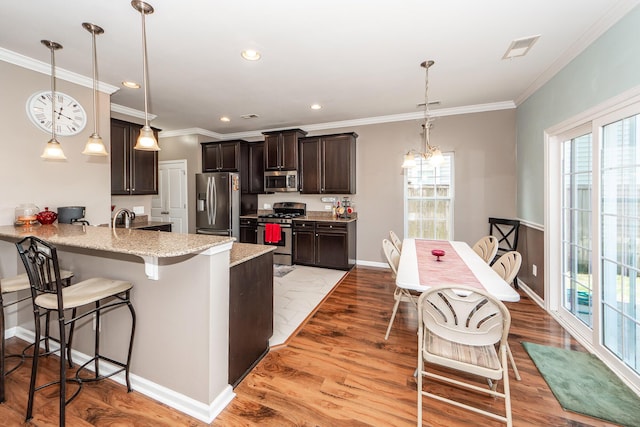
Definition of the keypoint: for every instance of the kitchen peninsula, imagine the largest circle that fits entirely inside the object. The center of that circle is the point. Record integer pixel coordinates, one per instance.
(181, 298)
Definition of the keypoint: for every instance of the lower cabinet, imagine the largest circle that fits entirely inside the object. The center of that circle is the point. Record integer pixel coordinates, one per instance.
(250, 314)
(330, 244)
(248, 230)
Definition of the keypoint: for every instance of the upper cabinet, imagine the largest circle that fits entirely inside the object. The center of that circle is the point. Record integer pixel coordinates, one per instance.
(281, 149)
(132, 171)
(252, 168)
(221, 156)
(328, 164)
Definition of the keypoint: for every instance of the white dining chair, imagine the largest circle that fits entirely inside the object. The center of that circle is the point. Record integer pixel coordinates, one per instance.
(486, 248)
(395, 240)
(467, 346)
(399, 295)
(507, 266)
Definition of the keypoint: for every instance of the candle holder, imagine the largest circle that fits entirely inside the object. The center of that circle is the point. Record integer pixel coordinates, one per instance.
(437, 253)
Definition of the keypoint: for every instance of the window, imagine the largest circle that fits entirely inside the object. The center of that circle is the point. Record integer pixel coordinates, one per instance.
(428, 200)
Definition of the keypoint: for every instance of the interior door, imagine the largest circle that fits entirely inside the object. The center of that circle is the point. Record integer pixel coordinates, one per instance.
(170, 204)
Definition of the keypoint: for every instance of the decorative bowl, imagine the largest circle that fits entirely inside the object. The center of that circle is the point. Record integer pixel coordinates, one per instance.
(46, 217)
(437, 253)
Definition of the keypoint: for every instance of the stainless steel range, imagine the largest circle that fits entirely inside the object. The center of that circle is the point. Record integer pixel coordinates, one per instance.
(275, 229)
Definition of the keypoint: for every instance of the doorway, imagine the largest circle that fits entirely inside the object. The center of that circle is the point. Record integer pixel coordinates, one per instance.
(170, 204)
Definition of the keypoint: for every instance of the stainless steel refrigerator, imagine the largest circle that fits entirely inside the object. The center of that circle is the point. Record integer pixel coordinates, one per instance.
(218, 204)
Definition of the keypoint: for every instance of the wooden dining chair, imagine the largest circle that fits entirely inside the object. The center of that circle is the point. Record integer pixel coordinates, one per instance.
(399, 295)
(507, 232)
(486, 248)
(465, 331)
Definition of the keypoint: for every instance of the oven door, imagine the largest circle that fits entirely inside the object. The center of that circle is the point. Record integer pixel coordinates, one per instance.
(284, 247)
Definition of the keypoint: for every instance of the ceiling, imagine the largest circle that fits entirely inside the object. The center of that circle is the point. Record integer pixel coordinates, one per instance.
(359, 59)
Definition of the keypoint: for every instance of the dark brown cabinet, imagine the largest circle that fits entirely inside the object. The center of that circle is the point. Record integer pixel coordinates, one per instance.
(250, 314)
(304, 242)
(248, 230)
(328, 164)
(252, 168)
(221, 156)
(330, 244)
(281, 149)
(132, 171)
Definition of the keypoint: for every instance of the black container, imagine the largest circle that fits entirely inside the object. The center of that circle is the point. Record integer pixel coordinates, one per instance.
(68, 214)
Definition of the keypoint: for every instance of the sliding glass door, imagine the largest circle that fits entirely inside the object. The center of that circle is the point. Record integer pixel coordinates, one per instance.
(620, 221)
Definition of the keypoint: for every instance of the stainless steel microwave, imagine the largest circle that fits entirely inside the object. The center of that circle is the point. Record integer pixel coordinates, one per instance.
(280, 181)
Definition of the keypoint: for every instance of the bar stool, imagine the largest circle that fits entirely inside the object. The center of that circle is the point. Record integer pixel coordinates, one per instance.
(14, 285)
(40, 260)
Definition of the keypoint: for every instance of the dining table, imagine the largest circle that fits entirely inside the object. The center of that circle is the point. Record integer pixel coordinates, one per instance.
(419, 269)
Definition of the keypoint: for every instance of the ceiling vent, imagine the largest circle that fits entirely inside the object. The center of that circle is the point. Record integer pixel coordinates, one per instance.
(520, 47)
(249, 116)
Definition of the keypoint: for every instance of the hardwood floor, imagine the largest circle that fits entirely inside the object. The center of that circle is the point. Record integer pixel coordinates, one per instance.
(338, 371)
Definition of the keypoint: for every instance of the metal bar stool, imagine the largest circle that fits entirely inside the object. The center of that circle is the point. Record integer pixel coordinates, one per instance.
(40, 259)
(14, 285)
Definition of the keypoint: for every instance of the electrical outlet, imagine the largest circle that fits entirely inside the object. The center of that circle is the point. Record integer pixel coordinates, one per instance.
(534, 270)
(327, 207)
(266, 206)
(138, 210)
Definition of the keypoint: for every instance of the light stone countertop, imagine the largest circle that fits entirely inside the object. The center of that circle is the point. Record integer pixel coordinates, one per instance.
(242, 252)
(121, 240)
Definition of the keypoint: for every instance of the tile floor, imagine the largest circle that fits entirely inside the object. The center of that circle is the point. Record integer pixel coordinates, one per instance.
(296, 295)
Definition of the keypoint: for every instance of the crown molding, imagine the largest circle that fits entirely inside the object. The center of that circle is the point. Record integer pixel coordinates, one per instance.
(117, 108)
(619, 10)
(442, 112)
(45, 68)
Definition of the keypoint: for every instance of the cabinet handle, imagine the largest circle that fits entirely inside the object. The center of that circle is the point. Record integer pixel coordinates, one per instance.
(164, 213)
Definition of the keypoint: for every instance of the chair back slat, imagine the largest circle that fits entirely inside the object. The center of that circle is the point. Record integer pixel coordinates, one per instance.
(508, 265)
(486, 248)
(392, 254)
(40, 261)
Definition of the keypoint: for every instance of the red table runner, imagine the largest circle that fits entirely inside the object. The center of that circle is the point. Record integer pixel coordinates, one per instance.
(451, 269)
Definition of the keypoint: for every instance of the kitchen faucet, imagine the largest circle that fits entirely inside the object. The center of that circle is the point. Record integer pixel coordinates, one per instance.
(128, 217)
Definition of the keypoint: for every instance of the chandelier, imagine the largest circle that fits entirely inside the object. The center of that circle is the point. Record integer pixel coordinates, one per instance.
(430, 153)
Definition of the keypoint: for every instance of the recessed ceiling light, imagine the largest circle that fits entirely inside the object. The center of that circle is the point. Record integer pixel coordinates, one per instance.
(225, 119)
(316, 106)
(250, 55)
(131, 85)
(520, 47)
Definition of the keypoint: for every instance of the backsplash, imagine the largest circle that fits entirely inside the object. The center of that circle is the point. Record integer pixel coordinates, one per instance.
(313, 201)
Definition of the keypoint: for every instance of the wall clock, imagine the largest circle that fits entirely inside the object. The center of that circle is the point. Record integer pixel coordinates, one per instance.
(70, 116)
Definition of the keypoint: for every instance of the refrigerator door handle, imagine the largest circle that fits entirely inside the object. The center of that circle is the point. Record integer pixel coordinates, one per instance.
(215, 200)
(208, 201)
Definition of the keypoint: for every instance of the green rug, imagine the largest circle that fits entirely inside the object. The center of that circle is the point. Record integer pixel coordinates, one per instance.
(583, 384)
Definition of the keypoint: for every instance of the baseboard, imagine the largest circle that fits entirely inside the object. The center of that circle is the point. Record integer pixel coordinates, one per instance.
(177, 401)
(534, 297)
(372, 264)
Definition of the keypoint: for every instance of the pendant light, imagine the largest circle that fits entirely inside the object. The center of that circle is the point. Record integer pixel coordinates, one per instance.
(430, 153)
(94, 146)
(146, 140)
(53, 150)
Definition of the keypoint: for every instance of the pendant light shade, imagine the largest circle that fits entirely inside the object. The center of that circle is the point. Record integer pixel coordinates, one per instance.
(53, 149)
(146, 141)
(430, 153)
(94, 146)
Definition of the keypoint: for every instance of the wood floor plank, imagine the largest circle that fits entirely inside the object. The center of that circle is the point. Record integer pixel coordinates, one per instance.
(337, 371)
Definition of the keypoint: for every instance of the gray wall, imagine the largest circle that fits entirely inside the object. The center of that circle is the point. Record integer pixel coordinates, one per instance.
(484, 147)
(608, 67)
(26, 178)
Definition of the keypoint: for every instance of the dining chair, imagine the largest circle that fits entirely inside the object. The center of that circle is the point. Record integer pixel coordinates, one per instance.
(486, 248)
(40, 260)
(399, 295)
(395, 240)
(506, 231)
(507, 267)
(13, 285)
(459, 328)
